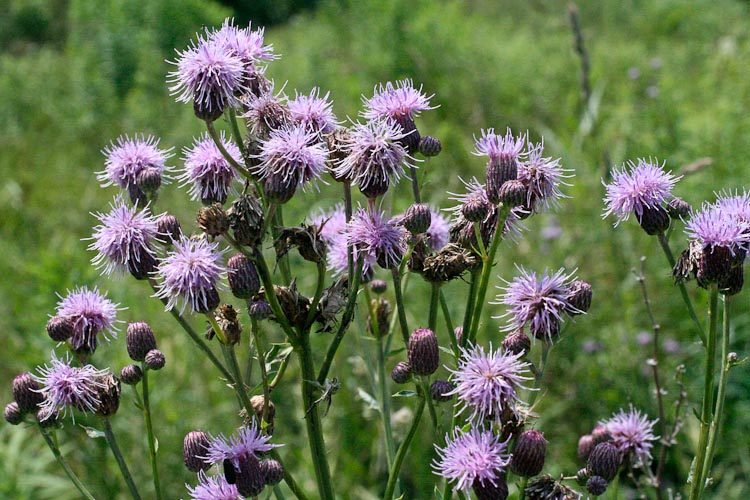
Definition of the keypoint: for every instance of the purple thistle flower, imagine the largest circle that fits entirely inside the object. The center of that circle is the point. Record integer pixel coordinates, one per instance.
(486, 383)
(475, 197)
(127, 158)
(542, 178)
(497, 146)
(208, 76)
(243, 43)
(247, 442)
(713, 226)
(396, 101)
(266, 111)
(90, 313)
(207, 171)
(373, 234)
(633, 432)
(536, 302)
(471, 456)
(331, 223)
(190, 273)
(123, 239)
(641, 186)
(65, 386)
(375, 157)
(737, 206)
(313, 112)
(437, 233)
(333, 229)
(293, 154)
(213, 488)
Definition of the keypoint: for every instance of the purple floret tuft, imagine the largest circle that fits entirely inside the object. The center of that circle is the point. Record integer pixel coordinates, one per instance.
(476, 455)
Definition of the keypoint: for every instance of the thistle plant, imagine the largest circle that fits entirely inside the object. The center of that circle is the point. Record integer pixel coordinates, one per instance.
(237, 280)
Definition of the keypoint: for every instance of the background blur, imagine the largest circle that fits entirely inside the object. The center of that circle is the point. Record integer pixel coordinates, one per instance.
(668, 79)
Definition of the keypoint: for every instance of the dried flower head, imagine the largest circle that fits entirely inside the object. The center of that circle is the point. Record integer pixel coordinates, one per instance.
(313, 112)
(128, 158)
(373, 234)
(213, 488)
(91, 313)
(124, 240)
(292, 154)
(189, 274)
(246, 442)
(637, 187)
(207, 171)
(487, 382)
(64, 386)
(632, 432)
(476, 455)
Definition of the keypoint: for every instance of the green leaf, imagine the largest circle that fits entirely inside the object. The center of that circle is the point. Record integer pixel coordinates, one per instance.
(405, 394)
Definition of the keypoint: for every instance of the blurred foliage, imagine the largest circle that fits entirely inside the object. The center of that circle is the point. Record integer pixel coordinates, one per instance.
(669, 80)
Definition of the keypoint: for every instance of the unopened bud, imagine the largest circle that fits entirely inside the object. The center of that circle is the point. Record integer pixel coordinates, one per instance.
(108, 394)
(430, 146)
(26, 392)
(439, 391)
(259, 309)
(517, 342)
(513, 193)
(155, 359)
(417, 218)
(59, 329)
(382, 315)
(604, 461)
(528, 454)
(579, 297)
(13, 414)
(168, 229)
(401, 373)
(423, 352)
(499, 171)
(678, 208)
(131, 374)
(139, 340)
(194, 446)
(596, 485)
(273, 471)
(242, 276)
(378, 286)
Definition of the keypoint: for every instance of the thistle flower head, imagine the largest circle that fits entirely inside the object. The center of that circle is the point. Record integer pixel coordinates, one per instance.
(90, 313)
(498, 147)
(292, 154)
(486, 382)
(243, 43)
(475, 455)
(735, 205)
(209, 76)
(207, 171)
(189, 274)
(246, 442)
(474, 203)
(437, 233)
(213, 488)
(128, 157)
(712, 226)
(124, 238)
(396, 101)
(632, 431)
(313, 112)
(542, 178)
(375, 157)
(636, 187)
(64, 386)
(266, 111)
(537, 301)
(371, 233)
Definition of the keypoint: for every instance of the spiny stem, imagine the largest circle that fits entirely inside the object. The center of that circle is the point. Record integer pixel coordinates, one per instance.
(120, 459)
(150, 430)
(64, 463)
(400, 305)
(403, 449)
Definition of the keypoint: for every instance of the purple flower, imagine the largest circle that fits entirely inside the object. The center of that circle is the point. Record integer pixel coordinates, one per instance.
(474, 201)
(124, 238)
(127, 158)
(371, 233)
(90, 313)
(207, 171)
(713, 226)
(331, 223)
(542, 178)
(293, 155)
(437, 233)
(737, 206)
(498, 147)
(333, 229)
(632, 431)
(396, 102)
(247, 442)
(538, 302)
(375, 157)
(243, 43)
(471, 456)
(190, 273)
(213, 488)
(643, 185)
(313, 112)
(65, 386)
(486, 383)
(209, 76)
(266, 111)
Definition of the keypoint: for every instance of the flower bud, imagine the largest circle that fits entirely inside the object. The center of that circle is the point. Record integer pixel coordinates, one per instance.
(459, 333)
(243, 277)
(246, 219)
(654, 220)
(439, 391)
(517, 342)
(417, 218)
(194, 447)
(475, 209)
(382, 312)
(26, 392)
(401, 373)
(430, 146)
(13, 414)
(278, 189)
(213, 220)
(155, 359)
(378, 286)
(485, 490)
(579, 296)
(604, 461)
(108, 394)
(259, 309)
(528, 454)
(585, 445)
(212, 301)
(601, 434)
(250, 478)
(59, 329)
(423, 352)
(47, 417)
(257, 402)
(499, 171)
(273, 471)
(513, 193)
(596, 485)
(168, 229)
(131, 374)
(678, 208)
(149, 180)
(139, 340)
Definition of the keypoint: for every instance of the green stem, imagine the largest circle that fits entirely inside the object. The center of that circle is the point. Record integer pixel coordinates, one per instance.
(401, 454)
(150, 431)
(698, 476)
(273, 301)
(539, 374)
(312, 419)
(390, 445)
(318, 293)
(279, 373)
(238, 386)
(346, 320)
(434, 299)
(522, 488)
(120, 459)
(64, 463)
(683, 289)
(400, 305)
(430, 405)
(283, 263)
(254, 327)
(217, 140)
(288, 479)
(415, 184)
(448, 323)
(470, 306)
(236, 134)
(348, 209)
